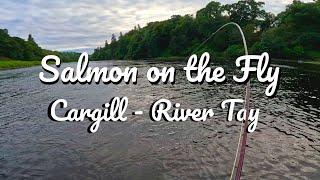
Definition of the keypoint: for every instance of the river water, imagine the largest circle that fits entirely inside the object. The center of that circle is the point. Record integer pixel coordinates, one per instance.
(285, 144)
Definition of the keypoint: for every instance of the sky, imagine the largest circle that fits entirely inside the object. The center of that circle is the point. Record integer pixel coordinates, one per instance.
(82, 25)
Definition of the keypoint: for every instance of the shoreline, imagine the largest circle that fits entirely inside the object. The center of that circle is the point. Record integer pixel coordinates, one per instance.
(19, 64)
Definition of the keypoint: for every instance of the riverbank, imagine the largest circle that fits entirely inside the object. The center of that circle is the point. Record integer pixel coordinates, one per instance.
(15, 64)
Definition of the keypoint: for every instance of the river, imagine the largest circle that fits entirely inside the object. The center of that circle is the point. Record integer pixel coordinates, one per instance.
(285, 145)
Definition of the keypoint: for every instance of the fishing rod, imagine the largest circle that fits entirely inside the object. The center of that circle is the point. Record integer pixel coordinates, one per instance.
(243, 132)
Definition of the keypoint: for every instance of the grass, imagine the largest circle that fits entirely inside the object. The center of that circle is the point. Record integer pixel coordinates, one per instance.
(315, 55)
(14, 64)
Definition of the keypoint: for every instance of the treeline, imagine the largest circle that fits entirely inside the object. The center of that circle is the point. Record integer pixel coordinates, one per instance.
(292, 34)
(20, 49)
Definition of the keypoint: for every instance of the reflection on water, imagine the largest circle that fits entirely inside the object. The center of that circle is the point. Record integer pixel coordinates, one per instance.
(284, 146)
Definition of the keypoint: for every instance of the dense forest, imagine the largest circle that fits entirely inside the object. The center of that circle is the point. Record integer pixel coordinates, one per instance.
(28, 50)
(292, 34)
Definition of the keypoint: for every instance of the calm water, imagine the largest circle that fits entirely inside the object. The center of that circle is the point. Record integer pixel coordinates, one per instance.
(285, 145)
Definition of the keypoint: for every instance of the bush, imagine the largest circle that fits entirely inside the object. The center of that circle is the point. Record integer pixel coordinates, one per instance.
(234, 51)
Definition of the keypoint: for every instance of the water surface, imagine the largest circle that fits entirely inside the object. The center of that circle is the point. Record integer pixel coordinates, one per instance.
(284, 146)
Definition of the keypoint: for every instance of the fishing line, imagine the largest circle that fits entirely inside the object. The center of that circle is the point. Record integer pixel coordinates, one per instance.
(246, 105)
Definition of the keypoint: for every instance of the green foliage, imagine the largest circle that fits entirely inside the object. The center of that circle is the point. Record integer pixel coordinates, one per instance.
(17, 48)
(297, 30)
(293, 34)
(13, 64)
(234, 51)
(181, 35)
(245, 12)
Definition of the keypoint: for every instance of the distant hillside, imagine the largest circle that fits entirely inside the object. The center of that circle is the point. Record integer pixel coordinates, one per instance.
(28, 50)
(292, 34)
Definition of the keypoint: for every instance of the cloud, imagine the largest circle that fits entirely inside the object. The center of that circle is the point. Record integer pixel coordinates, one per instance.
(85, 24)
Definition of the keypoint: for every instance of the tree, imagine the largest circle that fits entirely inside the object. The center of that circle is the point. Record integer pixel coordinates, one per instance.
(113, 38)
(293, 33)
(245, 11)
(211, 12)
(106, 43)
(296, 30)
(30, 38)
(20, 49)
(5, 31)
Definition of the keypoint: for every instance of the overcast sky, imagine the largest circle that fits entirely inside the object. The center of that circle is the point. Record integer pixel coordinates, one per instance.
(86, 24)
